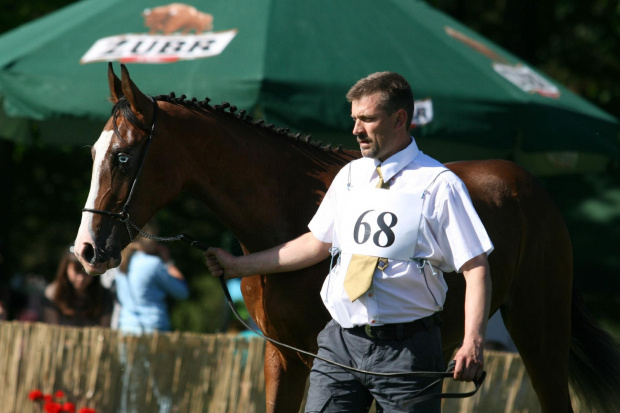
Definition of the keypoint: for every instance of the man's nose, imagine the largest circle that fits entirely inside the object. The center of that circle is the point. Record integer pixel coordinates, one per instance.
(357, 128)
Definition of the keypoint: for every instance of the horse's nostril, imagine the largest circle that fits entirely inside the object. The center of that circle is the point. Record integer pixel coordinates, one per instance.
(88, 253)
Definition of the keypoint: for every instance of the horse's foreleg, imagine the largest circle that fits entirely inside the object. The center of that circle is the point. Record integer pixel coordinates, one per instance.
(285, 380)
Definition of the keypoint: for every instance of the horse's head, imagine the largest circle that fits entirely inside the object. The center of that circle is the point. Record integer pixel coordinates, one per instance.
(122, 179)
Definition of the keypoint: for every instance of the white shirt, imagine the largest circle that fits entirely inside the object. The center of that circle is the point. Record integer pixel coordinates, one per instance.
(450, 234)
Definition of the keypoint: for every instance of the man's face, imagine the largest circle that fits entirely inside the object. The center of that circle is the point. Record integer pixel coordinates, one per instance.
(374, 128)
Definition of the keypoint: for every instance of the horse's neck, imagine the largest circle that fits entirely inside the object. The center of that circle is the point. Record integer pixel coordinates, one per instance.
(262, 186)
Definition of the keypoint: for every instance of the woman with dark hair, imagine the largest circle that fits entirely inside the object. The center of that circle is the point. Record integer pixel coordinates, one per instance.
(75, 298)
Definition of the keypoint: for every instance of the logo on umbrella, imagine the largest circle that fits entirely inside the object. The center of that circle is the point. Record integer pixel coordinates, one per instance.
(177, 17)
(170, 38)
(422, 112)
(520, 75)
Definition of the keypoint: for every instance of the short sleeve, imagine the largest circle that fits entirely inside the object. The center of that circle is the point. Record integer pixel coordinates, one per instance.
(322, 224)
(463, 235)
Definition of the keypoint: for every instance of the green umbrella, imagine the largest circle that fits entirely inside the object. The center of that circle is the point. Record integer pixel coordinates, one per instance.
(292, 63)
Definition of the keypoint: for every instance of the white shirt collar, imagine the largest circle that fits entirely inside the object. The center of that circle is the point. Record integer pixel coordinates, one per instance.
(395, 163)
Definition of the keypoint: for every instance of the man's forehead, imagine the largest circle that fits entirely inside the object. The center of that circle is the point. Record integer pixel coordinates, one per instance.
(365, 106)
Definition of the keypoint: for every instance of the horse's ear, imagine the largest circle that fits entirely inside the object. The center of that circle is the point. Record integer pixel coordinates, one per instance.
(116, 90)
(141, 105)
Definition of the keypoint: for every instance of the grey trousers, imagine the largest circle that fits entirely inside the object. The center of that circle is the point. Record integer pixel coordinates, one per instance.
(334, 389)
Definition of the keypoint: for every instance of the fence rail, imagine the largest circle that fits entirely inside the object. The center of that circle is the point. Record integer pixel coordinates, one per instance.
(103, 369)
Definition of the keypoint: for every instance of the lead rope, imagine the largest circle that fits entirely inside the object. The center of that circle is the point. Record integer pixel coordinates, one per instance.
(418, 397)
(130, 224)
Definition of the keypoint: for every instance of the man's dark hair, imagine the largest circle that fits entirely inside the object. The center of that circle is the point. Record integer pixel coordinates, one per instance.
(393, 90)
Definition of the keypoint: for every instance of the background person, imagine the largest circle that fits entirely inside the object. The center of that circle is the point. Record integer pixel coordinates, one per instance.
(76, 298)
(26, 297)
(400, 303)
(145, 280)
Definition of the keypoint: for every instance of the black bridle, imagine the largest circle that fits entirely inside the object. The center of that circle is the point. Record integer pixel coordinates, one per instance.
(421, 395)
(123, 216)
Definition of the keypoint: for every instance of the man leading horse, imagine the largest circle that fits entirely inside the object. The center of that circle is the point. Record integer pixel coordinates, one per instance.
(393, 222)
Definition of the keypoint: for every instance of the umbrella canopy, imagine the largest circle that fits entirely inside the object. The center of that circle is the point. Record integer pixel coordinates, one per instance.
(292, 63)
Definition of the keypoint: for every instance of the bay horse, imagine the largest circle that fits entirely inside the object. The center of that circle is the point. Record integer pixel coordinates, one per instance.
(265, 184)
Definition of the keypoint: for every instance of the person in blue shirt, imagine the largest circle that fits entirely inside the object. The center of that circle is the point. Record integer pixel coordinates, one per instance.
(144, 281)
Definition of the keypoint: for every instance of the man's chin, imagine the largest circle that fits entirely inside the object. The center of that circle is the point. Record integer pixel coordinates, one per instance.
(368, 153)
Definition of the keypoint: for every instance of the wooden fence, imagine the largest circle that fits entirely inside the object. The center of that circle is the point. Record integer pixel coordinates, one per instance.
(102, 369)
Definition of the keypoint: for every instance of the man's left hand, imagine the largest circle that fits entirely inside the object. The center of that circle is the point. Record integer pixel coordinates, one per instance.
(469, 362)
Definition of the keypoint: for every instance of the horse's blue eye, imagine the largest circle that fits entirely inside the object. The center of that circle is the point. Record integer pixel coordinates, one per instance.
(122, 158)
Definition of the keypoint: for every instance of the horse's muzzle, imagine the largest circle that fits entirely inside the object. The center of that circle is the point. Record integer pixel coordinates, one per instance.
(95, 261)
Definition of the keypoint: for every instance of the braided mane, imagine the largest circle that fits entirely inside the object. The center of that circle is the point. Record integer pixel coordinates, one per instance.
(231, 110)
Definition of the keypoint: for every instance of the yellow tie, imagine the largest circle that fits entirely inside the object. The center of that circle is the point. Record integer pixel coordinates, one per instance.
(361, 268)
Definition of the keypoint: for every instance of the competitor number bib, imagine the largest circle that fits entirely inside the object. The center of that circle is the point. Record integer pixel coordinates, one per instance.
(380, 223)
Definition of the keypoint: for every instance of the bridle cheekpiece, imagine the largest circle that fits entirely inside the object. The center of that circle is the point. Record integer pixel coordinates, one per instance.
(123, 216)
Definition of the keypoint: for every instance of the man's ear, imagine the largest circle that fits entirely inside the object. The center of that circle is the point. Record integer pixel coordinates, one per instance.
(401, 119)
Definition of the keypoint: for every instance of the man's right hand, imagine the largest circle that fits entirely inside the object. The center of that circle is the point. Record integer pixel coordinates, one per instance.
(219, 262)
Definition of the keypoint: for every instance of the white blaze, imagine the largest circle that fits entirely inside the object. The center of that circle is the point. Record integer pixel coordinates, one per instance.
(84, 233)
(101, 149)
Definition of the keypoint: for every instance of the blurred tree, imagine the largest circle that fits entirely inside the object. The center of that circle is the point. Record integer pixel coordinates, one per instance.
(16, 13)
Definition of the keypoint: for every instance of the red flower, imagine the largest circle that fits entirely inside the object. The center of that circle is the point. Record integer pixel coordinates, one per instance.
(52, 407)
(35, 395)
(68, 407)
